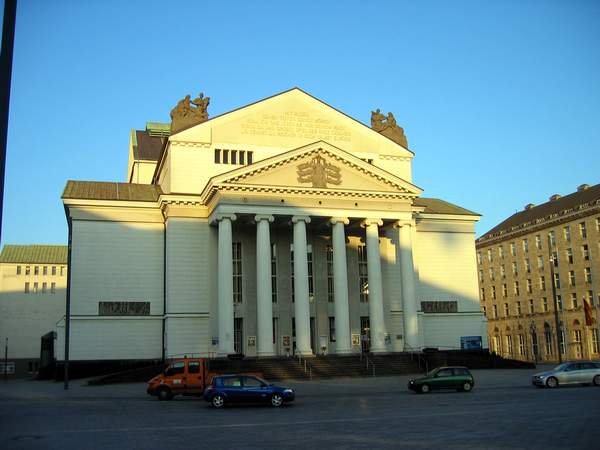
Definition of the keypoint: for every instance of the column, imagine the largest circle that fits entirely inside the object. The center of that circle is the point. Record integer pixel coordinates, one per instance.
(225, 288)
(343, 342)
(376, 317)
(264, 298)
(409, 301)
(301, 305)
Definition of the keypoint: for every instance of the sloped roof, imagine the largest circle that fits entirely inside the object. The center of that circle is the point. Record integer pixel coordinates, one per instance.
(104, 190)
(562, 204)
(43, 254)
(437, 206)
(147, 148)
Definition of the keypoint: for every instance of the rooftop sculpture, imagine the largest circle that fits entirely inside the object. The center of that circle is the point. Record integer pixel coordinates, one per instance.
(189, 112)
(388, 127)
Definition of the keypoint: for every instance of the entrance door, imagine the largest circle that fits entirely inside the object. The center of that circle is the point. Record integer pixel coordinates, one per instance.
(238, 335)
(365, 334)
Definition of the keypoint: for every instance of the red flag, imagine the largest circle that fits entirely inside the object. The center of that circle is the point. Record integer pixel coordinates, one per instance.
(588, 312)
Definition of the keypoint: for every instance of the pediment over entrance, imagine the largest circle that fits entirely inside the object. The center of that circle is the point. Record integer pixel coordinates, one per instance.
(318, 168)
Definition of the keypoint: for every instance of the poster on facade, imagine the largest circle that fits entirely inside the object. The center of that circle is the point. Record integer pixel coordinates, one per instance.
(251, 341)
(470, 342)
(285, 341)
(356, 340)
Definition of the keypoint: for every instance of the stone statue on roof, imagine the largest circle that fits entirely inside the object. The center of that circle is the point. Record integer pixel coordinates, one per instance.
(189, 112)
(388, 127)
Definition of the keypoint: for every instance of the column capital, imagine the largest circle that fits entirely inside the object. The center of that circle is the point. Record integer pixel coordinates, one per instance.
(259, 217)
(371, 221)
(403, 223)
(296, 219)
(220, 216)
(335, 220)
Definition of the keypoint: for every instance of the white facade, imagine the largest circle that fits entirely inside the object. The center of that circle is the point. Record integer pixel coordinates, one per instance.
(200, 259)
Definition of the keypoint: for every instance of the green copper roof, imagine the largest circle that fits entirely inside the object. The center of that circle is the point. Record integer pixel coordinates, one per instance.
(50, 254)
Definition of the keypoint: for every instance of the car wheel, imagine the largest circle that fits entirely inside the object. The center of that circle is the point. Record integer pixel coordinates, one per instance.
(466, 387)
(164, 394)
(218, 401)
(596, 380)
(276, 400)
(425, 388)
(552, 382)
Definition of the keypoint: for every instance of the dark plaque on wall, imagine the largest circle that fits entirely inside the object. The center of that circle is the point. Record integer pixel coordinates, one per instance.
(124, 308)
(440, 307)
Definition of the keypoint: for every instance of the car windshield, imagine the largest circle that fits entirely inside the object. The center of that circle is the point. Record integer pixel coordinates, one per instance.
(561, 367)
(432, 372)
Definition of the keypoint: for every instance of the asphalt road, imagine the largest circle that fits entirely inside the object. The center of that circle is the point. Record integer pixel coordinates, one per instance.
(503, 412)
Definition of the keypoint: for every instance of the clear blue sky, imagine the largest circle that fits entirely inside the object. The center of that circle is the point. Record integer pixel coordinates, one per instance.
(500, 100)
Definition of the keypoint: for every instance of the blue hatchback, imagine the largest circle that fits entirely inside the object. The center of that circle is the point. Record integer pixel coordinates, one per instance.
(245, 389)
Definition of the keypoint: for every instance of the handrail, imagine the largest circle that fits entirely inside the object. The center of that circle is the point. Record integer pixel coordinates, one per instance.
(367, 362)
(303, 363)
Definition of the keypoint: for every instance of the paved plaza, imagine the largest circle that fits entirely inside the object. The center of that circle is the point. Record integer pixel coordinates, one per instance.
(503, 412)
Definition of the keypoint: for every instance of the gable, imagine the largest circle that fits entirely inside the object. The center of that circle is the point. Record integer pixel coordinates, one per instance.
(318, 166)
(290, 120)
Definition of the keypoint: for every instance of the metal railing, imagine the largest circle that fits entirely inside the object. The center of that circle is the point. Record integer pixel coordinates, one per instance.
(305, 365)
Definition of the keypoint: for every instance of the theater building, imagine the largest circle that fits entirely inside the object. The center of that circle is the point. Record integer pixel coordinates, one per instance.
(281, 227)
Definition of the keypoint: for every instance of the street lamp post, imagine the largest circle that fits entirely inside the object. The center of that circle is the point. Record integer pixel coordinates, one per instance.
(554, 300)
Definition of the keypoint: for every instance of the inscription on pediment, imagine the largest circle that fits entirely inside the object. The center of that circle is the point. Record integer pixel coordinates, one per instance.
(295, 124)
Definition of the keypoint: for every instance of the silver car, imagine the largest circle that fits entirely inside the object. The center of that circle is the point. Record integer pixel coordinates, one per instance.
(580, 372)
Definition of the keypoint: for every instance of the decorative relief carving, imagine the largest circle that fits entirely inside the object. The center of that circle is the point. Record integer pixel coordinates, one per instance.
(124, 308)
(295, 124)
(440, 307)
(319, 172)
(388, 127)
(185, 115)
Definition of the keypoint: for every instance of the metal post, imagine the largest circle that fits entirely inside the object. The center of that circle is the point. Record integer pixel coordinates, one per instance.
(5, 359)
(556, 321)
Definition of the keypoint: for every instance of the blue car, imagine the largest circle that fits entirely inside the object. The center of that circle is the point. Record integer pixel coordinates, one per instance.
(227, 389)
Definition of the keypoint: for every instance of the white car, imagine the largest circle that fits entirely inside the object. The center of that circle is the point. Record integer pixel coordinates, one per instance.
(580, 372)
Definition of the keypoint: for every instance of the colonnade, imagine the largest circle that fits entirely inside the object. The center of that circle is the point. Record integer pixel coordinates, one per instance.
(265, 346)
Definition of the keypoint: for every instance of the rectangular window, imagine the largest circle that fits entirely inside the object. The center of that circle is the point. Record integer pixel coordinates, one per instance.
(44, 287)
(538, 241)
(544, 304)
(515, 268)
(501, 252)
(504, 290)
(489, 254)
(45, 270)
(591, 298)
(588, 275)
(569, 252)
(292, 271)
(552, 238)
(62, 271)
(513, 249)
(217, 156)
(502, 271)
(531, 307)
(52, 288)
(594, 340)
(557, 281)
(332, 329)
(567, 233)
(27, 287)
(53, 270)
(482, 294)
(274, 273)
(598, 224)
(540, 262)
(495, 311)
(250, 157)
(574, 303)
(577, 335)
(233, 156)
(561, 341)
(583, 230)
(484, 313)
(492, 273)
(36, 270)
(35, 287)
(548, 339)
(494, 292)
(27, 270)
(518, 308)
(542, 283)
(529, 286)
(506, 312)
(525, 245)
(571, 278)
(480, 274)
(478, 257)
(559, 302)
(311, 288)
(527, 265)
(242, 157)
(329, 257)
(509, 345)
(237, 271)
(363, 279)
(225, 157)
(521, 344)
(585, 252)
(275, 327)
(18, 270)
(555, 259)
(516, 287)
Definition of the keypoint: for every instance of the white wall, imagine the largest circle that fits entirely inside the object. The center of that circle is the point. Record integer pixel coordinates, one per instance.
(186, 335)
(445, 330)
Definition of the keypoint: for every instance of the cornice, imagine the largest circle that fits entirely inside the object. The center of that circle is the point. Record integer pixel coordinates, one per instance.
(395, 158)
(191, 144)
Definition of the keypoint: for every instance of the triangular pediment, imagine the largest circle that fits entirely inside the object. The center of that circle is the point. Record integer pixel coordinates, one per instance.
(318, 168)
(289, 120)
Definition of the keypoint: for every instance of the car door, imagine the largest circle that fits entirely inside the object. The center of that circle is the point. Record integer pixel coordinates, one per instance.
(254, 390)
(572, 374)
(443, 379)
(232, 388)
(194, 381)
(175, 373)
